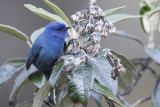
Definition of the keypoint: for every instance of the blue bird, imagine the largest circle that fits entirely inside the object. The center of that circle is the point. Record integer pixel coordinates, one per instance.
(48, 48)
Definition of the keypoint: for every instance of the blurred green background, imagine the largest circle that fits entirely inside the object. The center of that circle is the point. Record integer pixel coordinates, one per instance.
(13, 13)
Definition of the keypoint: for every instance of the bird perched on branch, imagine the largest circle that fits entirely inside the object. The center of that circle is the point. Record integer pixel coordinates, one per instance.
(48, 48)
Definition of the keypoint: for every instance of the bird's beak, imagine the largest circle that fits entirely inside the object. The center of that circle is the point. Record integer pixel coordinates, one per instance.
(67, 28)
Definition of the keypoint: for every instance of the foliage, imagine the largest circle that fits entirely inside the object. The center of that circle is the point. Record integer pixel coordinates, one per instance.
(87, 73)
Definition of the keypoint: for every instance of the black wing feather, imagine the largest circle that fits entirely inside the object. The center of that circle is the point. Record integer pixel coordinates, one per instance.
(33, 55)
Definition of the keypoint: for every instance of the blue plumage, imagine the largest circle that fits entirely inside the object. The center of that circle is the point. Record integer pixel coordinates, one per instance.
(48, 48)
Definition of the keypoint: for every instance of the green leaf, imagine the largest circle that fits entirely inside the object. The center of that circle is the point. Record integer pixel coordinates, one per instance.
(154, 53)
(80, 86)
(16, 91)
(145, 7)
(44, 14)
(156, 96)
(120, 17)
(97, 97)
(106, 92)
(56, 73)
(113, 10)
(62, 94)
(126, 63)
(26, 104)
(41, 95)
(14, 32)
(125, 80)
(9, 68)
(103, 71)
(58, 11)
(36, 33)
(127, 35)
(19, 84)
(38, 79)
(123, 83)
(16, 60)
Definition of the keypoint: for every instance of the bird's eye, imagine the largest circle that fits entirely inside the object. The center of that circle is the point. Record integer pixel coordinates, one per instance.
(59, 29)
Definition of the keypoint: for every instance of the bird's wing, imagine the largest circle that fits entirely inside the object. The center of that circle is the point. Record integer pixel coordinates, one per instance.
(33, 55)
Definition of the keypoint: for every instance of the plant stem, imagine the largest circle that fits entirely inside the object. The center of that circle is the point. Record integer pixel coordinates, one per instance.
(141, 100)
(123, 100)
(138, 76)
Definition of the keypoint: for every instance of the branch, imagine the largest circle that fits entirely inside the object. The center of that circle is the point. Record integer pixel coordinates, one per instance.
(138, 76)
(141, 100)
(152, 70)
(123, 100)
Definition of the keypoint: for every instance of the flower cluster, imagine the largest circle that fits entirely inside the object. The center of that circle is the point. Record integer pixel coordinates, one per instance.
(90, 26)
(75, 61)
(92, 22)
(118, 68)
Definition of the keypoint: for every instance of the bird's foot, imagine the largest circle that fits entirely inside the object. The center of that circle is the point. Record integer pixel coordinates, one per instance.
(50, 101)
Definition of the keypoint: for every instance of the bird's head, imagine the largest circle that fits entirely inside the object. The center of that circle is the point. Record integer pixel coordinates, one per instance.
(57, 29)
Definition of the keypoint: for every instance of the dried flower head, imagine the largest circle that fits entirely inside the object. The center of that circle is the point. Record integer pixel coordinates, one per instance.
(92, 21)
(118, 68)
(75, 61)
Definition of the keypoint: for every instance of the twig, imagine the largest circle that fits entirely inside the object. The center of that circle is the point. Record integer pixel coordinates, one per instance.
(152, 70)
(138, 76)
(140, 62)
(123, 100)
(141, 100)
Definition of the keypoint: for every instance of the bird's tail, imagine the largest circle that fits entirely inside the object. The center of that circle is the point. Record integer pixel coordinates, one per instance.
(47, 73)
